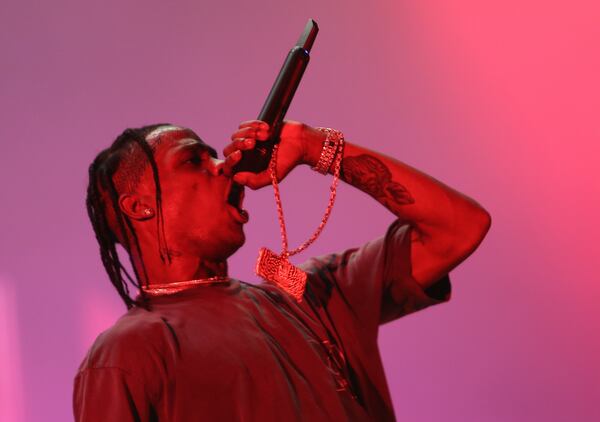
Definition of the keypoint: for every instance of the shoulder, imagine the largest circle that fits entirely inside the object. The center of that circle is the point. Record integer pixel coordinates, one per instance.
(137, 336)
(124, 371)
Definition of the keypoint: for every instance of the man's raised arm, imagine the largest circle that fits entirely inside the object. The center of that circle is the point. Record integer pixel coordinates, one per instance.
(447, 225)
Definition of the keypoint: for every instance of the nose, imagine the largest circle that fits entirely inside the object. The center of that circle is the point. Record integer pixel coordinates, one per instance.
(217, 166)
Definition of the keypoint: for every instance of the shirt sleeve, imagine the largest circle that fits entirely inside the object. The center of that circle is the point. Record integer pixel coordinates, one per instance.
(109, 394)
(375, 280)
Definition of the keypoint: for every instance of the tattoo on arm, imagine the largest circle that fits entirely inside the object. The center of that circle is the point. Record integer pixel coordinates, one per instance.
(373, 177)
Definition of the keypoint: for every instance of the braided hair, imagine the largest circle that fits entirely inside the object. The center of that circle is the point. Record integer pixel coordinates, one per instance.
(129, 154)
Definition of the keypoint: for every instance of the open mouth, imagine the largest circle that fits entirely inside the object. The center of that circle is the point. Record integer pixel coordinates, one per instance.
(236, 199)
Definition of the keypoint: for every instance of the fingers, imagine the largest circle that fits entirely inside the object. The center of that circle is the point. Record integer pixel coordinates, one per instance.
(230, 161)
(246, 136)
(256, 181)
(252, 180)
(257, 127)
(254, 123)
(251, 132)
(239, 144)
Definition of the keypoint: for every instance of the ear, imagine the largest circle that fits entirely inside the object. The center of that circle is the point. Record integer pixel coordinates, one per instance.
(136, 207)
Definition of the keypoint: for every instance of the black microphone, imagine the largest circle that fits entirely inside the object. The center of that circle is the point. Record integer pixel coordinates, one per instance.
(278, 101)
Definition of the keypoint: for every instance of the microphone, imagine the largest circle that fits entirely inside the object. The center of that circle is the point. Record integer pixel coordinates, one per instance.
(278, 101)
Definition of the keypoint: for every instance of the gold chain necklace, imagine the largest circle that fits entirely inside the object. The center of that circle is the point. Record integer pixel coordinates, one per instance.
(178, 286)
(277, 268)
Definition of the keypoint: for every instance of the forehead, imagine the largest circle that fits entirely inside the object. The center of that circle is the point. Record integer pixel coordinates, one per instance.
(167, 140)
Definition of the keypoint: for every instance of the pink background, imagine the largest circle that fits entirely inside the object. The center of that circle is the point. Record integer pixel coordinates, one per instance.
(498, 99)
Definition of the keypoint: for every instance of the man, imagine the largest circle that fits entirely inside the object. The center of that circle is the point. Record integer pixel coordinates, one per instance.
(196, 344)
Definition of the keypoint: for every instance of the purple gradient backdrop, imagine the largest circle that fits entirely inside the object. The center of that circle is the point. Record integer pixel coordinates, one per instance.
(497, 99)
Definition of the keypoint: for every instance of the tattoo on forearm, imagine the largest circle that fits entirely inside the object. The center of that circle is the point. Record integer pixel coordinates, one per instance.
(372, 176)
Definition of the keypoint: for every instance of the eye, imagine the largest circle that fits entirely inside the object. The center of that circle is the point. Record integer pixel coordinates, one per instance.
(196, 158)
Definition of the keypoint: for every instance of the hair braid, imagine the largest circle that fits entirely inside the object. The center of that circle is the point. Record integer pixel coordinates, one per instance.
(101, 173)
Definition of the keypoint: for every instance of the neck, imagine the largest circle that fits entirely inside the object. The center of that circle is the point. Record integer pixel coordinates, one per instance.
(180, 268)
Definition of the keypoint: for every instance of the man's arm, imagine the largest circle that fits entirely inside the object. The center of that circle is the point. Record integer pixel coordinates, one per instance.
(447, 225)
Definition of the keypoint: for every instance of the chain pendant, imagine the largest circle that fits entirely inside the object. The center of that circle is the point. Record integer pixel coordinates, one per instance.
(278, 270)
(275, 268)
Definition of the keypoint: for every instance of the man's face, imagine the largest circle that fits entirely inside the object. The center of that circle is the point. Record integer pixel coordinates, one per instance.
(198, 219)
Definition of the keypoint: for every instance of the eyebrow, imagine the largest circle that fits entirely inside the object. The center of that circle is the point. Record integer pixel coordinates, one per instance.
(200, 145)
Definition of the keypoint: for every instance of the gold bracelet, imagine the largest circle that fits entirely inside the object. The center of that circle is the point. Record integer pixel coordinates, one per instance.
(331, 146)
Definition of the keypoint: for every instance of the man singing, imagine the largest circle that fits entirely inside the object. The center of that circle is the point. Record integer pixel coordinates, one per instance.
(199, 345)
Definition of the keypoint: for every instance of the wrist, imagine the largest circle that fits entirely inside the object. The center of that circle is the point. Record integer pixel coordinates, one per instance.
(313, 144)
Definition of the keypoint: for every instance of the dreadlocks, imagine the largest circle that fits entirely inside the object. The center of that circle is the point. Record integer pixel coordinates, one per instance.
(129, 154)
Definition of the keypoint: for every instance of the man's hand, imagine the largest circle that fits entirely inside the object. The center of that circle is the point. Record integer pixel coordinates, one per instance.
(295, 139)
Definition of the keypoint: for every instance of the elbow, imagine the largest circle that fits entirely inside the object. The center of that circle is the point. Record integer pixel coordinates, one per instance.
(476, 228)
(484, 223)
(470, 223)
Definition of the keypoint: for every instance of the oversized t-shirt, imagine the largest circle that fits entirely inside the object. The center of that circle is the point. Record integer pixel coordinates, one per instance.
(241, 352)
